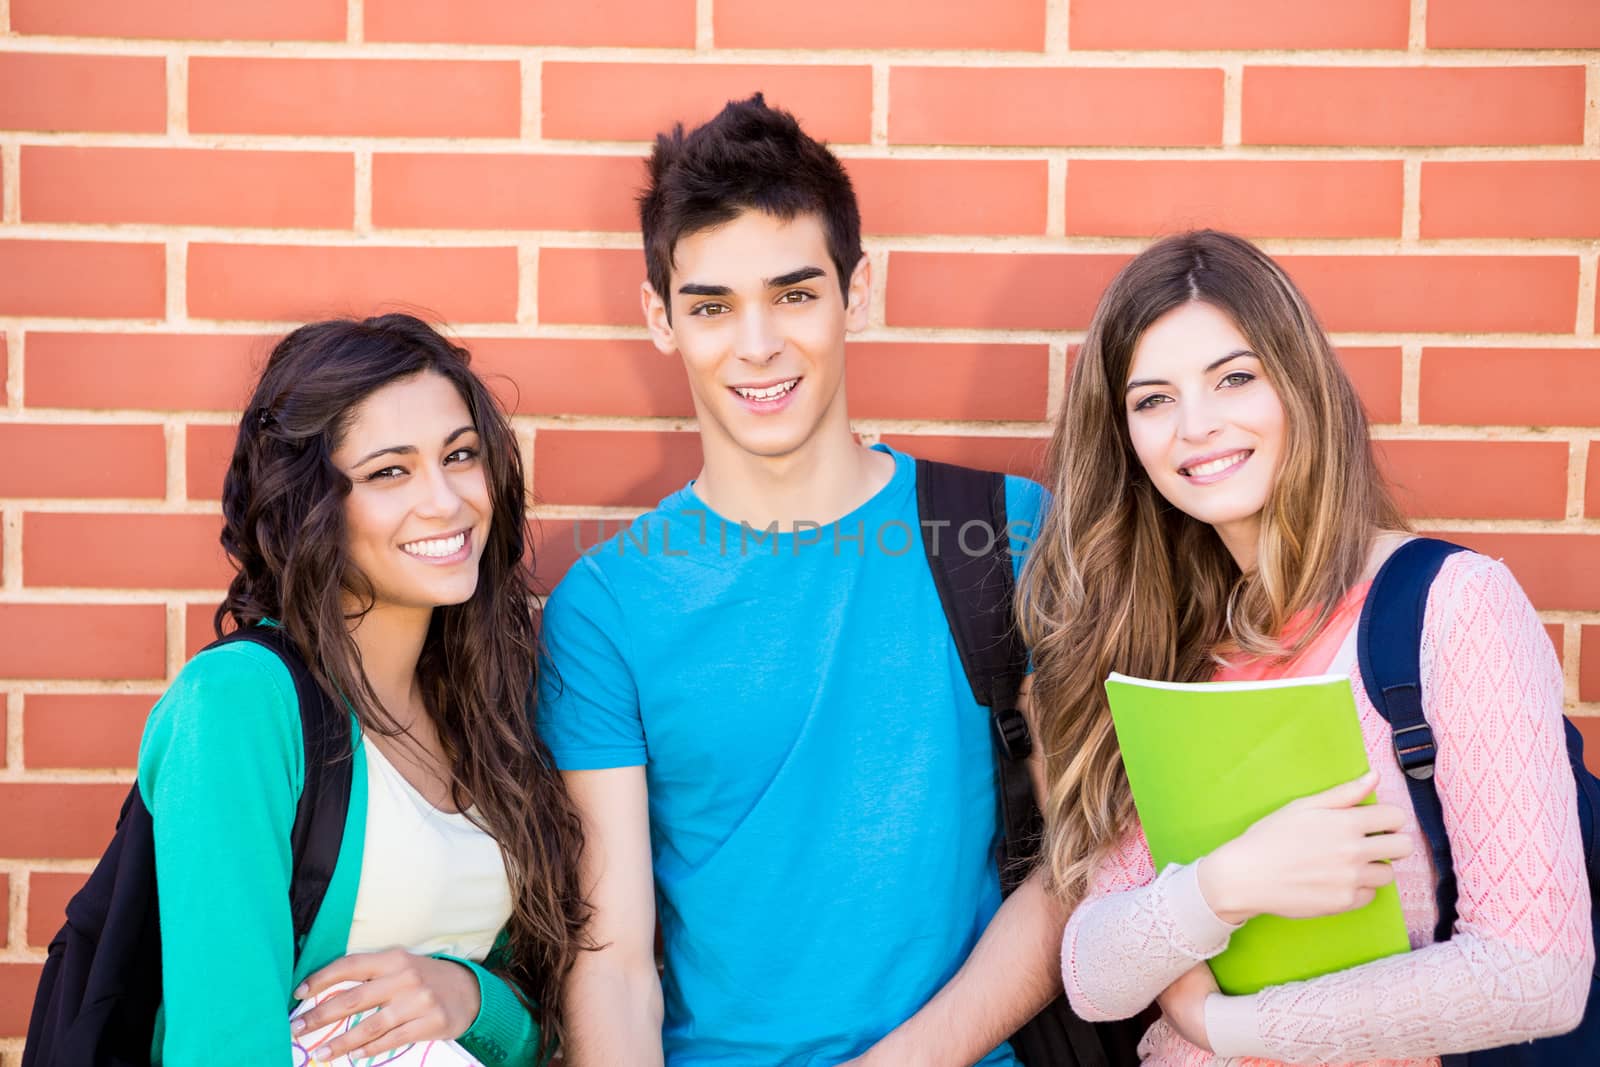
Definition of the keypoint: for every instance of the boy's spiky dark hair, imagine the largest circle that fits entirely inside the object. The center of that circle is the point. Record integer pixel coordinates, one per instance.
(749, 156)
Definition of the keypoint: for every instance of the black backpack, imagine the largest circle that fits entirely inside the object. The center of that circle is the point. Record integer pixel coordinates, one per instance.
(101, 987)
(1388, 644)
(964, 534)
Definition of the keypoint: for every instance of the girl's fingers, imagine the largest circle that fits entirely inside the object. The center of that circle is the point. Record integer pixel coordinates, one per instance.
(398, 1037)
(1343, 795)
(357, 967)
(371, 1029)
(1378, 818)
(364, 997)
(1386, 847)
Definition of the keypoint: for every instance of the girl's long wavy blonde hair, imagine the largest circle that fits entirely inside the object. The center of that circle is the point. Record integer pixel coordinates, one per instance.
(1120, 580)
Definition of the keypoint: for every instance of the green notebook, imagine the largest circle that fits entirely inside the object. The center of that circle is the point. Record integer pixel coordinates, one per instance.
(1207, 760)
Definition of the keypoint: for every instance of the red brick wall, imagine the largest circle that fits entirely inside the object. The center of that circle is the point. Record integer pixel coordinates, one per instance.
(183, 181)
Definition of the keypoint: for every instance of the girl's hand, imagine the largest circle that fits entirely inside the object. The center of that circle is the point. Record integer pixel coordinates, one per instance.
(410, 998)
(1184, 1004)
(1318, 855)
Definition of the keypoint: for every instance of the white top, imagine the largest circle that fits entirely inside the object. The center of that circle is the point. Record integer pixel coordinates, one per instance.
(431, 881)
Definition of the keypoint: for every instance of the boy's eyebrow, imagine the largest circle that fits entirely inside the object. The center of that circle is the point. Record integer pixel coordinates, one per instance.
(1213, 365)
(794, 277)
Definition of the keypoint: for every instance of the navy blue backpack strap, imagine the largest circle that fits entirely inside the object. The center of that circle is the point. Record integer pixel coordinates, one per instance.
(319, 818)
(1389, 647)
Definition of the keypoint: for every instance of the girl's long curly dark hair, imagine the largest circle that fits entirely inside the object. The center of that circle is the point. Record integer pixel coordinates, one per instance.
(284, 529)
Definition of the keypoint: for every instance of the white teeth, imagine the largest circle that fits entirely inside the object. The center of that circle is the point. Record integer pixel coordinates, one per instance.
(772, 392)
(438, 548)
(1216, 466)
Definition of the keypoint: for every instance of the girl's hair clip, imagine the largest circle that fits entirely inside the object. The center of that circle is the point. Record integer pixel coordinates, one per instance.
(264, 418)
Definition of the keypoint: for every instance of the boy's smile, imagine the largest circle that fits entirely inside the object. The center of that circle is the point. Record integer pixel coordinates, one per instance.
(759, 319)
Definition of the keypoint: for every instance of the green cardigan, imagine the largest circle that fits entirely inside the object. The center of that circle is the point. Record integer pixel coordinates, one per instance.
(221, 767)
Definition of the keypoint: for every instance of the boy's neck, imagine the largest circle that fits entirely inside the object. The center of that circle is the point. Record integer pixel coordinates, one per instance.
(824, 480)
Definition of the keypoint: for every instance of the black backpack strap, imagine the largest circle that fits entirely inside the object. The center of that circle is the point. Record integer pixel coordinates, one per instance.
(964, 534)
(324, 803)
(1389, 647)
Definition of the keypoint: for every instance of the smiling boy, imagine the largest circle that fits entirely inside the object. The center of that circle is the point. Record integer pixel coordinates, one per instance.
(753, 692)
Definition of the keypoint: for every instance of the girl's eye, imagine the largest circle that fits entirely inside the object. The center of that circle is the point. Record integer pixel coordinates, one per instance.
(709, 309)
(1234, 379)
(796, 296)
(385, 473)
(1150, 400)
(462, 455)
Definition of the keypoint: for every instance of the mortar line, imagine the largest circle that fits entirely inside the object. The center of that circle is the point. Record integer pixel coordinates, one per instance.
(176, 437)
(5, 22)
(361, 211)
(1410, 383)
(1588, 283)
(1057, 27)
(1058, 172)
(177, 280)
(1578, 478)
(1411, 202)
(531, 127)
(16, 367)
(355, 21)
(174, 634)
(13, 740)
(11, 547)
(1591, 110)
(1417, 28)
(880, 104)
(704, 26)
(17, 902)
(878, 303)
(1056, 385)
(1571, 650)
(177, 94)
(11, 182)
(528, 283)
(1232, 104)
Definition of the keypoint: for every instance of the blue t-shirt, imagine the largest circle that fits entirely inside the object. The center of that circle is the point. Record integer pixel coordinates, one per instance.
(821, 781)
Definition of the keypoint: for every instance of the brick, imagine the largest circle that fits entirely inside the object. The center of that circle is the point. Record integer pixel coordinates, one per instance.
(1554, 630)
(282, 20)
(83, 461)
(1454, 294)
(1376, 374)
(1591, 482)
(1053, 106)
(635, 101)
(48, 893)
(1231, 24)
(100, 279)
(1413, 105)
(1257, 198)
(83, 729)
(51, 91)
(956, 196)
(541, 376)
(207, 451)
(1527, 24)
(355, 97)
(78, 641)
(1529, 198)
(1511, 386)
(1017, 26)
(1014, 455)
(590, 285)
(129, 551)
(1558, 571)
(5, 888)
(557, 543)
(18, 981)
(474, 191)
(611, 467)
(56, 820)
(1589, 726)
(1477, 479)
(1589, 668)
(665, 24)
(298, 283)
(198, 627)
(1003, 290)
(908, 380)
(195, 187)
(145, 371)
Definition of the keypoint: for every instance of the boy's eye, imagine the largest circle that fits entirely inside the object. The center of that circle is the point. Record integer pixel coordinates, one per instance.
(796, 296)
(709, 309)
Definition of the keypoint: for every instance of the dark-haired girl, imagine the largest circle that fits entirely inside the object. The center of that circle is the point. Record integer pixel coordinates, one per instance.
(373, 510)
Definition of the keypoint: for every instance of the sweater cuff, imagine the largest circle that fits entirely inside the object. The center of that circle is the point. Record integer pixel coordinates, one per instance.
(503, 1025)
(1205, 934)
(1231, 1027)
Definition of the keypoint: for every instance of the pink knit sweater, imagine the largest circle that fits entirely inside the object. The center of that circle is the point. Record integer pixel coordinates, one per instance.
(1519, 962)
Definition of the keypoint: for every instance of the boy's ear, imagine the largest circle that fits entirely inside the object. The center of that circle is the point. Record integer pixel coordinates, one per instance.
(656, 320)
(858, 296)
